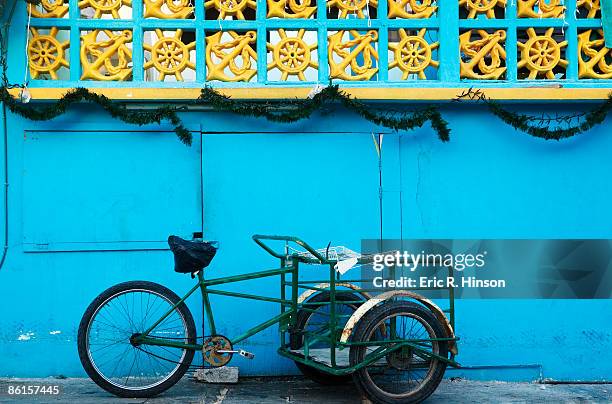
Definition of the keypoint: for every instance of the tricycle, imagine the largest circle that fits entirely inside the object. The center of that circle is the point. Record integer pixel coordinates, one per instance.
(138, 338)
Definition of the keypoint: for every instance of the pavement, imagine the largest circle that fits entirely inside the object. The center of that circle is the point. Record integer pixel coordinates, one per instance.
(299, 390)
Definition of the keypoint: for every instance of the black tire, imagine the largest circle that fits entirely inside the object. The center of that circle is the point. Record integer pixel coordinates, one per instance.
(113, 294)
(297, 338)
(372, 323)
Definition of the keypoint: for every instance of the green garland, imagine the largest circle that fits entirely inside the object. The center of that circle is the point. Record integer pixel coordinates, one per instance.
(302, 109)
(532, 124)
(116, 110)
(525, 122)
(294, 110)
(298, 110)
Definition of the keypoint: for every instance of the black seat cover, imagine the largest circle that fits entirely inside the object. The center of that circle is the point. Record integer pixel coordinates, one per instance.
(190, 256)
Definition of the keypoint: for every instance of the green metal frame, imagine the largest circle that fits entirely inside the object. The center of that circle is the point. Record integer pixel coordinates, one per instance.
(289, 265)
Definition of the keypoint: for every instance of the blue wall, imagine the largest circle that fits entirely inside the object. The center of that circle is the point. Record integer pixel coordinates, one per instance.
(91, 202)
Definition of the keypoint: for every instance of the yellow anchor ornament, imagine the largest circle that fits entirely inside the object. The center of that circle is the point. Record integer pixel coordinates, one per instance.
(178, 9)
(485, 55)
(592, 6)
(593, 56)
(238, 48)
(50, 9)
(359, 47)
(546, 8)
(106, 60)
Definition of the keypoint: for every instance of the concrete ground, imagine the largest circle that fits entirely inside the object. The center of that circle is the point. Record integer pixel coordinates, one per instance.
(299, 390)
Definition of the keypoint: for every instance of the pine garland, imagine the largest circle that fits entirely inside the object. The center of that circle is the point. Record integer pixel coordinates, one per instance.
(525, 123)
(302, 109)
(529, 123)
(294, 110)
(116, 110)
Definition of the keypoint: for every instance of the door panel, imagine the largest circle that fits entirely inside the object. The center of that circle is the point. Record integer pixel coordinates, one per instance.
(108, 190)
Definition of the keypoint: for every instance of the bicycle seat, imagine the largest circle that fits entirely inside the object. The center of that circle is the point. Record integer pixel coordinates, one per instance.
(190, 256)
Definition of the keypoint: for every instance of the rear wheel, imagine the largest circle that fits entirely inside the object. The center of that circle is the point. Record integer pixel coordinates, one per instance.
(315, 319)
(106, 343)
(404, 375)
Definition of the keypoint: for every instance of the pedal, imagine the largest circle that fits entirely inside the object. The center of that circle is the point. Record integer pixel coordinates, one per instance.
(240, 352)
(246, 354)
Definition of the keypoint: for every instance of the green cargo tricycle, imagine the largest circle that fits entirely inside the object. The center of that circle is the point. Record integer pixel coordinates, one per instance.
(138, 338)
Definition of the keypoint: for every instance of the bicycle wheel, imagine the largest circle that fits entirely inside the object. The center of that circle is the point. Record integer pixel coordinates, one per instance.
(405, 375)
(105, 345)
(316, 320)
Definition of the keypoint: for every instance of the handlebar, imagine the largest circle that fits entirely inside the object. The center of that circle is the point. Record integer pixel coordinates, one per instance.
(292, 239)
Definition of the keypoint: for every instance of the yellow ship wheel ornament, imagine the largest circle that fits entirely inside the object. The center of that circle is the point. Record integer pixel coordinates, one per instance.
(52, 9)
(169, 55)
(547, 8)
(412, 55)
(291, 55)
(46, 55)
(478, 7)
(593, 56)
(540, 54)
(238, 48)
(297, 8)
(352, 7)
(179, 9)
(106, 60)
(593, 6)
(105, 6)
(234, 8)
(411, 8)
(485, 55)
(357, 52)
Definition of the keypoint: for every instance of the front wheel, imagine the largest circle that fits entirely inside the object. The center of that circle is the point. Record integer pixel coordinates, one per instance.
(106, 344)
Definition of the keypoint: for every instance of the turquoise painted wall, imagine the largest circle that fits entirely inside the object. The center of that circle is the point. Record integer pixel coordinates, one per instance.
(91, 202)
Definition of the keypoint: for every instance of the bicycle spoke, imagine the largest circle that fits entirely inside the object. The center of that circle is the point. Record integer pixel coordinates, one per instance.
(404, 369)
(124, 316)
